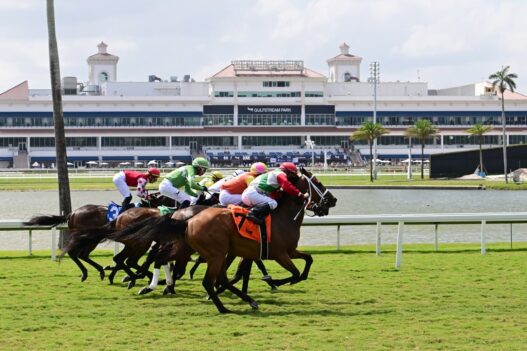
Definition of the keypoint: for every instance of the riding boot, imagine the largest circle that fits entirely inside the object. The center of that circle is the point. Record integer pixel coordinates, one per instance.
(258, 213)
(126, 203)
(184, 204)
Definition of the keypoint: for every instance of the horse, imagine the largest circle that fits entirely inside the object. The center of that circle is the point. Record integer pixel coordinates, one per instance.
(89, 217)
(214, 235)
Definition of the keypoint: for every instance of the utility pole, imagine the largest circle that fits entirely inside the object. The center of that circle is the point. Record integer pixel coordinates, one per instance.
(374, 79)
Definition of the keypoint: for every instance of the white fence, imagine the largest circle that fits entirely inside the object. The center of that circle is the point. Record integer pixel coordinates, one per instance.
(351, 220)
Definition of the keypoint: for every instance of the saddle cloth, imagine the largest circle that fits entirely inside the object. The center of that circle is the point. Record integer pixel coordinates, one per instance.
(247, 228)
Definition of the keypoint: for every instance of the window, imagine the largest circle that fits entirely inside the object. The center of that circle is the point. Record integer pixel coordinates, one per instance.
(103, 77)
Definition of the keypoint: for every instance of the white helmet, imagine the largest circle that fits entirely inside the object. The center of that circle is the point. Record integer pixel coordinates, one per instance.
(238, 172)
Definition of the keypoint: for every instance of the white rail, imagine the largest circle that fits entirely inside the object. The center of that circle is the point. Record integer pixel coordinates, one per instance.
(350, 220)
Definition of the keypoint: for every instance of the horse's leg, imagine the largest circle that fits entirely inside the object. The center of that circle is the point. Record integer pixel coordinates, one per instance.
(306, 257)
(119, 263)
(242, 266)
(80, 265)
(214, 267)
(242, 295)
(199, 261)
(169, 289)
(246, 276)
(266, 277)
(285, 261)
(153, 283)
(94, 264)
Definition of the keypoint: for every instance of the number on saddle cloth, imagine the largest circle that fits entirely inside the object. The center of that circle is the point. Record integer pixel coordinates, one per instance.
(113, 211)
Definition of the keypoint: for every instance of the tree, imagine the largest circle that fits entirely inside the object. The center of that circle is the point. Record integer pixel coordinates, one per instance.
(422, 130)
(58, 119)
(369, 131)
(478, 130)
(502, 80)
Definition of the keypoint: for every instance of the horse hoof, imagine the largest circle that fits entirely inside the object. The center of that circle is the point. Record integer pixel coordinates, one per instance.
(145, 290)
(254, 305)
(191, 276)
(162, 282)
(84, 277)
(224, 310)
(169, 290)
(131, 284)
(108, 268)
(101, 274)
(126, 279)
(267, 278)
(274, 288)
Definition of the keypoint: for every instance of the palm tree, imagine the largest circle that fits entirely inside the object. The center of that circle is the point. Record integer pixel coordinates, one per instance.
(58, 119)
(501, 81)
(422, 130)
(478, 130)
(369, 131)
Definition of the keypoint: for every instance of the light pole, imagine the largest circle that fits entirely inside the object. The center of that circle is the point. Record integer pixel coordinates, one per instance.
(311, 144)
(374, 79)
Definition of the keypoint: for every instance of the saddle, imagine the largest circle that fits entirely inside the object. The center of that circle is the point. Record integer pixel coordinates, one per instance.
(250, 230)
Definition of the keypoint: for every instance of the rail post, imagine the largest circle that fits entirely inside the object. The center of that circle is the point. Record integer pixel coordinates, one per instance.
(378, 241)
(338, 237)
(399, 251)
(30, 244)
(436, 237)
(53, 244)
(483, 243)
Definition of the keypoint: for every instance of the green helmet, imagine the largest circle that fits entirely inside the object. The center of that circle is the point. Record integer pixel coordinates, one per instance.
(200, 162)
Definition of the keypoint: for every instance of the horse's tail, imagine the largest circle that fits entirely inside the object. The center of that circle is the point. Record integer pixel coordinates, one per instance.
(86, 237)
(159, 229)
(47, 220)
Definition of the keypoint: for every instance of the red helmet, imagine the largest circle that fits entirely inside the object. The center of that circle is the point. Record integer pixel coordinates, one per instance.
(289, 167)
(154, 172)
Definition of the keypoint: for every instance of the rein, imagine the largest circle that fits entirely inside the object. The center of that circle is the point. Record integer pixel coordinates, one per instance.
(312, 187)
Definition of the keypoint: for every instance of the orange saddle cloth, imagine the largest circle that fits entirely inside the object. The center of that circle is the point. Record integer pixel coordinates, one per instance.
(247, 228)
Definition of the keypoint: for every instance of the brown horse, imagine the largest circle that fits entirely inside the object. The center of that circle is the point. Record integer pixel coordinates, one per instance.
(213, 234)
(88, 217)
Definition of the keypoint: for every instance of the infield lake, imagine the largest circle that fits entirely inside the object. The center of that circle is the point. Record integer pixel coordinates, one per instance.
(22, 205)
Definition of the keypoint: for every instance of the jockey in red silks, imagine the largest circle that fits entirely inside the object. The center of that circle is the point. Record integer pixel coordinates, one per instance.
(262, 191)
(125, 179)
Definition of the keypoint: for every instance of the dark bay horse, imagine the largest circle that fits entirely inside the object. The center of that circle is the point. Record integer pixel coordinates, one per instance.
(88, 217)
(213, 234)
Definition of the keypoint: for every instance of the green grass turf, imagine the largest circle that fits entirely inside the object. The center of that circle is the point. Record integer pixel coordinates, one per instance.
(455, 299)
(105, 183)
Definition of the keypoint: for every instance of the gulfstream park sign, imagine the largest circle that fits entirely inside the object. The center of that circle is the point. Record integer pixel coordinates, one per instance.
(268, 109)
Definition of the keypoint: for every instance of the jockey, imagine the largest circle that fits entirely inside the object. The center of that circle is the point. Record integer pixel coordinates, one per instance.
(212, 179)
(125, 179)
(231, 190)
(261, 192)
(210, 182)
(216, 187)
(183, 177)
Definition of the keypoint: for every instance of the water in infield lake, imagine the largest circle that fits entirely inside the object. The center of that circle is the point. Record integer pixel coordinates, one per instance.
(22, 205)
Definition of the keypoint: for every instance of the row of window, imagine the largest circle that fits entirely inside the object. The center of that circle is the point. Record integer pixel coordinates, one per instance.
(269, 120)
(278, 83)
(255, 120)
(269, 94)
(231, 141)
(388, 121)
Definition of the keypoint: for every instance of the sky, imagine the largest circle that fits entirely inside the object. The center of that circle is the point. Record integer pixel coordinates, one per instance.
(445, 43)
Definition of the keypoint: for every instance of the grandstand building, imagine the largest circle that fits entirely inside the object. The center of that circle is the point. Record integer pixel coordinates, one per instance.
(251, 109)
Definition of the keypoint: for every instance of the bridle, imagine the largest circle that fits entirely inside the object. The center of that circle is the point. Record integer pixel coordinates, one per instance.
(315, 207)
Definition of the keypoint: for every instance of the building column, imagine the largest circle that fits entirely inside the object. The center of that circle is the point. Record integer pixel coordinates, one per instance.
(442, 143)
(235, 116)
(239, 142)
(303, 115)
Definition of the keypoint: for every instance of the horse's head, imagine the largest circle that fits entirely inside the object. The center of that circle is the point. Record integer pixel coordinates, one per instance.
(320, 199)
(156, 199)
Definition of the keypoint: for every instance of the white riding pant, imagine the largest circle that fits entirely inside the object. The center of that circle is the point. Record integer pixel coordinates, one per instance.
(120, 182)
(251, 197)
(167, 189)
(227, 198)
